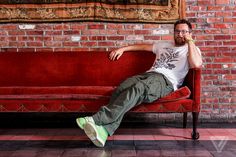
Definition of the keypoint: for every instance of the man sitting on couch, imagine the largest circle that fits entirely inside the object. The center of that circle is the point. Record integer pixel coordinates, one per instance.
(173, 60)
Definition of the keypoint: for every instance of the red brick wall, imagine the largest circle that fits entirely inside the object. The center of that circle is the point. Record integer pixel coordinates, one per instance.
(214, 22)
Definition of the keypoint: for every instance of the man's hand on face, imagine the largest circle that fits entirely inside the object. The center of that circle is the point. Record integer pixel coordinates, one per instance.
(188, 37)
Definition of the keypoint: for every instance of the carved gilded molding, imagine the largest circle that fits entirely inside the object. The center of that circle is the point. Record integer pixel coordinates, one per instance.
(60, 10)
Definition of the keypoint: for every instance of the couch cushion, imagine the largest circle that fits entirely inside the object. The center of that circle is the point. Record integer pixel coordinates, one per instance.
(174, 102)
(183, 105)
(33, 100)
(82, 92)
(181, 93)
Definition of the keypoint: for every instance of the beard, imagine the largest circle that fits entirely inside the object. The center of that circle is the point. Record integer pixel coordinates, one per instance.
(179, 41)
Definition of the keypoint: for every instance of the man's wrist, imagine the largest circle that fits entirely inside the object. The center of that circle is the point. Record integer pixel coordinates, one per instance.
(190, 40)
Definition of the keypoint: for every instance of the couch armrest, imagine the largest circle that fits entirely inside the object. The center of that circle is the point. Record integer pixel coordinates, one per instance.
(193, 81)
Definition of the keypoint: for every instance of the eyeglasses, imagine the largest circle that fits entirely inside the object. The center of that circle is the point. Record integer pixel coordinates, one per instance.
(181, 31)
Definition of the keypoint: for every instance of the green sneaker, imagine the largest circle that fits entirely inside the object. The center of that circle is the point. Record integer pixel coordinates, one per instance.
(96, 133)
(83, 120)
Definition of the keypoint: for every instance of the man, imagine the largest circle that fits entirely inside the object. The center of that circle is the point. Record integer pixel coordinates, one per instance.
(173, 60)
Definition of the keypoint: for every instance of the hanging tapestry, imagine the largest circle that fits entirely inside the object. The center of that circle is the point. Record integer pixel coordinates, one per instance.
(145, 11)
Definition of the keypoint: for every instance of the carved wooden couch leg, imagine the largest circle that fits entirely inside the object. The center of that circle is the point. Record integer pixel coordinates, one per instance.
(195, 134)
(185, 114)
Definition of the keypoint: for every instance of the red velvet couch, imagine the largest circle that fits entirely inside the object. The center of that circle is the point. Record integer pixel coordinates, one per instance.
(82, 82)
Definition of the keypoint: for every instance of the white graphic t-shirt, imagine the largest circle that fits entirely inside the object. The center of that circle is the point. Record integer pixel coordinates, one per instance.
(171, 61)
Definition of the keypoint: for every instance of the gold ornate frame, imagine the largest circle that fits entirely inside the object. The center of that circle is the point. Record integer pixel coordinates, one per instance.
(92, 11)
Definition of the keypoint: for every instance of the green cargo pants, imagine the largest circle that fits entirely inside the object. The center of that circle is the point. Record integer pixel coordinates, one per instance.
(146, 87)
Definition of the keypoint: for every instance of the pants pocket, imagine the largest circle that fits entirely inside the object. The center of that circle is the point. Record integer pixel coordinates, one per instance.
(157, 87)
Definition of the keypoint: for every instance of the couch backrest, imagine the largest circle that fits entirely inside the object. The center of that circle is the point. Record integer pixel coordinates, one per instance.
(70, 68)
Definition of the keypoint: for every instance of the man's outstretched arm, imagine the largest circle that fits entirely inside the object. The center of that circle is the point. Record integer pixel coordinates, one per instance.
(116, 54)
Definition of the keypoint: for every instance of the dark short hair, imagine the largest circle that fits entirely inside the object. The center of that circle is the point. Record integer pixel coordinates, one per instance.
(183, 21)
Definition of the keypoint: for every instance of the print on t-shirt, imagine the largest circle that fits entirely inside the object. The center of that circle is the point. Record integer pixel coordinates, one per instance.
(166, 59)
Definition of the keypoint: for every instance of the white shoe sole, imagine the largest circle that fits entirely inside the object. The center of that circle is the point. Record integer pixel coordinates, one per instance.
(78, 123)
(87, 119)
(92, 134)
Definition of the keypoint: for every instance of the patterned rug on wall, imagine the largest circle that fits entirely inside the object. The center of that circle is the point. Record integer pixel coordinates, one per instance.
(145, 11)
